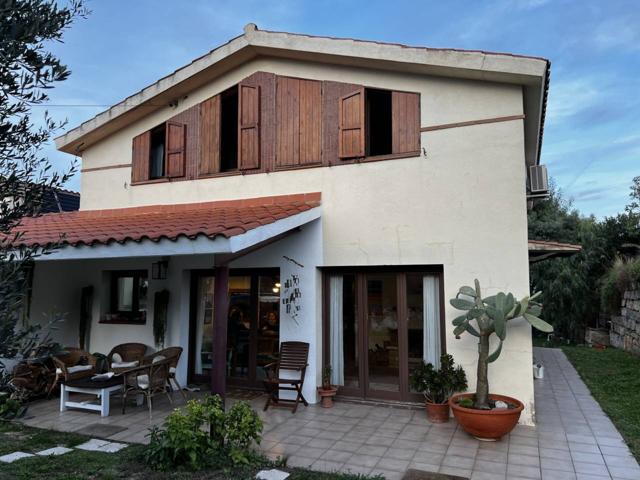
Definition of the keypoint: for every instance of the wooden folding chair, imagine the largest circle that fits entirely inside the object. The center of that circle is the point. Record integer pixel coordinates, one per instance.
(293, 358)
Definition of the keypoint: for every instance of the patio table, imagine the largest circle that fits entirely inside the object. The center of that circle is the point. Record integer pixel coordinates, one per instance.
(101, 388)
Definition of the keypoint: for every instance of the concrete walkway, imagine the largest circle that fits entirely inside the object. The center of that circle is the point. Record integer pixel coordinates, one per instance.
(580, 428)
(580, 443)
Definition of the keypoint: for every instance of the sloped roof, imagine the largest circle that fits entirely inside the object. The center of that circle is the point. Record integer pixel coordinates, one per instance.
(226, 218)
(531, 72)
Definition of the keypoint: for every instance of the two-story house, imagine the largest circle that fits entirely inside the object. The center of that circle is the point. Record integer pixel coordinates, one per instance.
(290, 187)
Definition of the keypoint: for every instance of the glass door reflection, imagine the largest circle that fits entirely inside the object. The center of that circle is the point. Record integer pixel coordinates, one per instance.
(239, 327)
(382, 333)
(204, 326)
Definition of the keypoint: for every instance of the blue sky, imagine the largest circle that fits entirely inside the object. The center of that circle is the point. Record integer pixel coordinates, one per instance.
(592, 134)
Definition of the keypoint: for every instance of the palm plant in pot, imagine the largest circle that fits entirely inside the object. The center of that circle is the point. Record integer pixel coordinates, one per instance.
(489, 416)
(437, 385)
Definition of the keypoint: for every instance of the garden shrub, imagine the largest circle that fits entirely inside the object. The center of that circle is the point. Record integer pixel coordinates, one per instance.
(204, 435)
(622, 275)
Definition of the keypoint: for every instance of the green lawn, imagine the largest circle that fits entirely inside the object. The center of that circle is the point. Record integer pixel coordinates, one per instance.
(127, 463)
(613, 376)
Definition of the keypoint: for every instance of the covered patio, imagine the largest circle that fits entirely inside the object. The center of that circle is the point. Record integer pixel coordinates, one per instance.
(110, 271)
(578, 444)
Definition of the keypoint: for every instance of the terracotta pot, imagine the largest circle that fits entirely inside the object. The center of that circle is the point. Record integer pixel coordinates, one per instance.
(490, 425)
(437, 412)
(326, 396)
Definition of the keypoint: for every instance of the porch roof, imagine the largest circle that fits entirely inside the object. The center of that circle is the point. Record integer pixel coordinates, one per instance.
(171, 227)
(543, 249)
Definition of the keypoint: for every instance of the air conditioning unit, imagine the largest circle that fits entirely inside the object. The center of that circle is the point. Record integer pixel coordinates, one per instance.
(538, 180)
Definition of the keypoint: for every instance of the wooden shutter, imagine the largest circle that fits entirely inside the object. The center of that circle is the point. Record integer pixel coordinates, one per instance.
(209, 136)
(351, 122)
(287, 121)
(140, 157)
(248, 127)
(310, 122)
(298, 122)
(176, 151)
(405, 122)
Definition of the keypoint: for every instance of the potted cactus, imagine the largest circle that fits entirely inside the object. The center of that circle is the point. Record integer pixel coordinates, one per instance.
(327, 391)
(437, 385)
(483, 415)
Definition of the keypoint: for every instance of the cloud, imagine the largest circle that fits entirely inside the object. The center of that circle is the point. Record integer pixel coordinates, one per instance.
(567, 98)
(618, 32)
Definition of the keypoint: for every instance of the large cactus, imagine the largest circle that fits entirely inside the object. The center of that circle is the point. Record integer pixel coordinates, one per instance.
(490, 315)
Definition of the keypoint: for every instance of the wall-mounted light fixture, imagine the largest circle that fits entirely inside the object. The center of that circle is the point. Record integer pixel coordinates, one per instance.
(159, 269)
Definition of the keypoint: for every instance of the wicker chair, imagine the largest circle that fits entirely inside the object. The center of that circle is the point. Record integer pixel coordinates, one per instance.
(173, 354)
(149, 379)
(293, 358)
(70, 366)
(128, 355)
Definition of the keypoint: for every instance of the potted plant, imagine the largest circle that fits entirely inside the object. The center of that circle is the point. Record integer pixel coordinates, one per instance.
(489, 416)
(437, 385)
(327, 391)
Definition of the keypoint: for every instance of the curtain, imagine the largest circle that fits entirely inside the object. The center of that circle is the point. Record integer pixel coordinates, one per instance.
(431, 309)
(200, 312)
(336, 329)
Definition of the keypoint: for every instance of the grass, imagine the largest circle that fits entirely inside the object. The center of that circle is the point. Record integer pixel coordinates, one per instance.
(126, 464)
(613, 376)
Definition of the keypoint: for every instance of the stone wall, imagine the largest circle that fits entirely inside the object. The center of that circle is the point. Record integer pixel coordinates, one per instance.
(625, 329)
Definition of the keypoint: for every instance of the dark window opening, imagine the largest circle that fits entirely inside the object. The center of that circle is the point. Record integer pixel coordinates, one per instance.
(229, 130)
(157, 152)
(378, 118)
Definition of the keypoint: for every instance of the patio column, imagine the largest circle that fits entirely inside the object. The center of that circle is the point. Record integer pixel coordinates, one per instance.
(219, 341)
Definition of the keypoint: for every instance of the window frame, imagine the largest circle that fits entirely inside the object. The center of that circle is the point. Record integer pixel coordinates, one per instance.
(155, 130)
(135, 316)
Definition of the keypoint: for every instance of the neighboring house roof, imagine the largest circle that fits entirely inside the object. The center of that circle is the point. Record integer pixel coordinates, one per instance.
(530, 72)
(60, 200)
(543, 249)
(226, 218)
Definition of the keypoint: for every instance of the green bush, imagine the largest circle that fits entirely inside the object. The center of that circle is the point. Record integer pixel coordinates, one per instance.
(619, 278)
(10, 408)
(204, 435)
(438, 385)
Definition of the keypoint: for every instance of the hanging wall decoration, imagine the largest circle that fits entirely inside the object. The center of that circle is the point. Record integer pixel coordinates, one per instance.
(160, 314)
(291, 296)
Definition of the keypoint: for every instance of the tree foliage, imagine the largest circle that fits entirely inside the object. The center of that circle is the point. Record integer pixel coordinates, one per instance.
(572, 286)
(27, 71)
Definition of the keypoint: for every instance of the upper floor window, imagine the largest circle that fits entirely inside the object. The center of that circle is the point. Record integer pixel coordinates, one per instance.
(156, 152)
(272, 122)
(378, 122)
(160, 152)
(229, 130)
(375, 122)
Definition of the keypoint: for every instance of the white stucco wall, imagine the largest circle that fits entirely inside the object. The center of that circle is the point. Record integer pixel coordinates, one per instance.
(462, 205)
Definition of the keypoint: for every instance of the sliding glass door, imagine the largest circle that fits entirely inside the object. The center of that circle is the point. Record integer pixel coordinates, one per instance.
(379, 325)
(253, 325)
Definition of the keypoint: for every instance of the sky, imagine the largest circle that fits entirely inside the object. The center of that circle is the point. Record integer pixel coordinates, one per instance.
(592, 132)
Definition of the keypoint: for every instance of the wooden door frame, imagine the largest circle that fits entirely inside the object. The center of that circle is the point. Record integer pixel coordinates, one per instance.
(360, 274)
(195, 276)
(254, 274)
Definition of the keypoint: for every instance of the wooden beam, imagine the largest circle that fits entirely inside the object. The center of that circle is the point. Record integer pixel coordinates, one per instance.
(219, 341)
(472, 122)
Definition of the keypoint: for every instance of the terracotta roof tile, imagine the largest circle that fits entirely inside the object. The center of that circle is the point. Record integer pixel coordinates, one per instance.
(210, 219)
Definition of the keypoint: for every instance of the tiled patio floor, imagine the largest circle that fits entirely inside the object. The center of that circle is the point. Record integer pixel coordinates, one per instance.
(580, 443)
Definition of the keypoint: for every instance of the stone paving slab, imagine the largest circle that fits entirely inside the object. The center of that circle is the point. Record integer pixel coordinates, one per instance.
(54, 451)
(12, 457)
